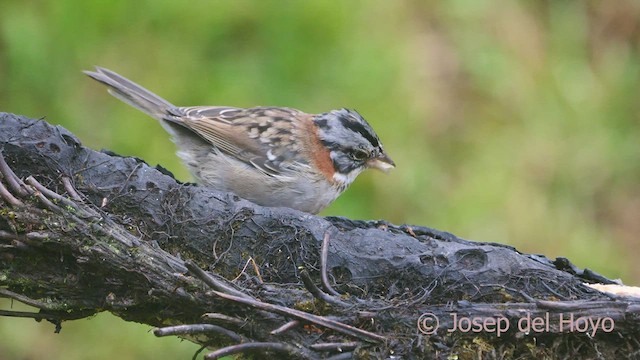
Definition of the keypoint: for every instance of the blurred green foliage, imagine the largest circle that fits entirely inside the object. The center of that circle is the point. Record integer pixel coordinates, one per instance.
(514, 122)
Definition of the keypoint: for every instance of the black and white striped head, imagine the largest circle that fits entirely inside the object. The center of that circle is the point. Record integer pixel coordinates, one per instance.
(352, 143)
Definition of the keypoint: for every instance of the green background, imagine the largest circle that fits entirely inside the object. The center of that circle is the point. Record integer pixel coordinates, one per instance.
(510, 121)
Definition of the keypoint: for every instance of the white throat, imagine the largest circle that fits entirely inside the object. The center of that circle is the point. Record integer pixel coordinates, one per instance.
(346, 179)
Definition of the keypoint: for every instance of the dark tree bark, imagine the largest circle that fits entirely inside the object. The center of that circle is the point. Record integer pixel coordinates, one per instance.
(84, 231)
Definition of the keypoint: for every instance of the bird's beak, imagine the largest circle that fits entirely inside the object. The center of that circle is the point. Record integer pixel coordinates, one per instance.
(381, 162)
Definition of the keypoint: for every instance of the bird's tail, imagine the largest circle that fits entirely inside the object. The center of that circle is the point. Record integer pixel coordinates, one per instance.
(132, 93)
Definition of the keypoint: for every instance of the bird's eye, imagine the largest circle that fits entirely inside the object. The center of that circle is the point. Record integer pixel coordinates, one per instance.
(359, 155)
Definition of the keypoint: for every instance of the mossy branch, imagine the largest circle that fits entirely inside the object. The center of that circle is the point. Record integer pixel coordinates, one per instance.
(83, 231)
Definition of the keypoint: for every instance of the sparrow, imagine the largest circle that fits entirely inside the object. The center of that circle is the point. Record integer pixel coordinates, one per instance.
(272, 156)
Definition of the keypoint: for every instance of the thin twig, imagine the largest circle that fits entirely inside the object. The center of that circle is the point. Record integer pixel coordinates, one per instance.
(224, 318)
(57, 316)
(47, 203)
(195, 355)
(299, 353)
(578, 305)
(301, 315)
(196, 329)
(63, 200)
(24, 314)
(43, 193)
(315, 291)
(286, 327)
(324, 255)
(38, 235)
(340, 346)
(366, 314)
(21, 298)
(560, 296)
(12, 179)
(255, 268)
(6, 195)
(36, 186)
(420, 299)
(66, 182)
(213, 282)
(48, 193)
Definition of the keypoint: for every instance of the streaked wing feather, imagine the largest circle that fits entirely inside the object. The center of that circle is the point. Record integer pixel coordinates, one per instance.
(221, 113)
(228, 129)
(265, 166)
(215, 133)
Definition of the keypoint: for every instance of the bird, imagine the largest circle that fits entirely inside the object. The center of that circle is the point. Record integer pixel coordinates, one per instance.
(272, 156)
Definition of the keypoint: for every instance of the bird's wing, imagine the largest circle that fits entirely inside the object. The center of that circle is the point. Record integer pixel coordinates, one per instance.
(263, 137)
